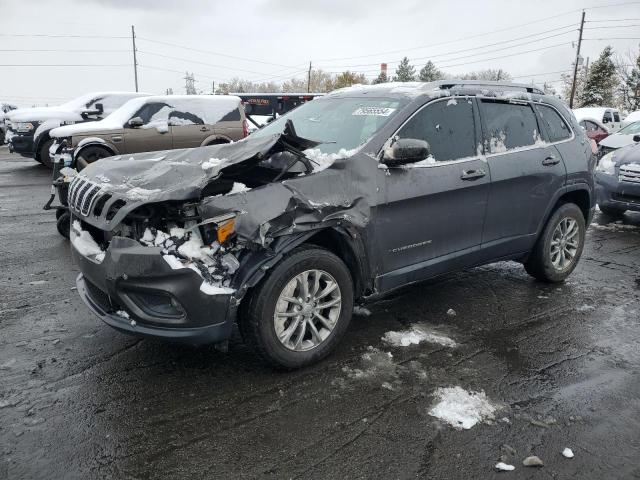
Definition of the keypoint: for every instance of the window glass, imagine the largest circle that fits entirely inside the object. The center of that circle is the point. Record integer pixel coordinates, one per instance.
(630, 129)
(608, 118)
(508, 126)
(447, 126)
(154, 112)
(616, 116)
(179, 117)
(555, 125)
(592, 127)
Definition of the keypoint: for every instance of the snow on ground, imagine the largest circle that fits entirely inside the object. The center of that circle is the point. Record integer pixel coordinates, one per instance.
(614, 227)
(504, 467)
(462, 409)
(416, 335)
(361, 311)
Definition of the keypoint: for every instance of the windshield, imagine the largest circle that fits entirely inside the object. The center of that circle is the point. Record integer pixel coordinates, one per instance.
(79, 103)
(630, 129)
(342, 122)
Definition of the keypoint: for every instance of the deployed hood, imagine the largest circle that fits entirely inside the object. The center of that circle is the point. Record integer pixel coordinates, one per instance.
(617, 141)
(43, 113)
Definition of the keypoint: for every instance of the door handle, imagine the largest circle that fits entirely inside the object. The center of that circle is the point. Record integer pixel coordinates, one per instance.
(117, 138)
(472, 174)
(204, 129)
(550, 161)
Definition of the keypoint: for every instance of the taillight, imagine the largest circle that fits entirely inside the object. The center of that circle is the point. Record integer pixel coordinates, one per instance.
(245, 128)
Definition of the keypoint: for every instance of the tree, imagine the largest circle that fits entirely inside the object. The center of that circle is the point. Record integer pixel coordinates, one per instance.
(382, 78)
(346, 79)
(405, 71)
(567, 82)
(430, 73)
(488, 74)
(549, 89)
(601, 82)
(628, 91)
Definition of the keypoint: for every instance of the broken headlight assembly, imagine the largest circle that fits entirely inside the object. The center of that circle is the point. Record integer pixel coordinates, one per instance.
(219, 229)
(22, 127)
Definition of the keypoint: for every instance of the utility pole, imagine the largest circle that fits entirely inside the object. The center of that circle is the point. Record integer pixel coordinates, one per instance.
(135, 60)
(213, 88)
(575, 65)
(309, 79)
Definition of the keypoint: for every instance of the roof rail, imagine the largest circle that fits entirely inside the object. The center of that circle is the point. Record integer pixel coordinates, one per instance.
(448, 84)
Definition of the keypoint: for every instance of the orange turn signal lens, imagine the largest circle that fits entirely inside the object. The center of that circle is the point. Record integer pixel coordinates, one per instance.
(225, 230)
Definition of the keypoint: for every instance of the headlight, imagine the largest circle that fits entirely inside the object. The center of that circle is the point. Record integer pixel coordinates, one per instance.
(607, 164)
(22, 127)
(220, 228)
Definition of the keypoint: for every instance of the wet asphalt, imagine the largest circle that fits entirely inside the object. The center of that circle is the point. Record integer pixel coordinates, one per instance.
(562, 362)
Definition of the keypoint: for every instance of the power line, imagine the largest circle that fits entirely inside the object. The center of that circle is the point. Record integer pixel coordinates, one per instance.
(198, 62)
(159, 42)
(613, 20)
(613, 38)
(60, 50)
(480, 46)
(611, 26)
(45, 35)
(63, 65)
(509, 55)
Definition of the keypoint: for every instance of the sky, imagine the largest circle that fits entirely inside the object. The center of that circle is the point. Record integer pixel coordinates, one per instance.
(51, 52)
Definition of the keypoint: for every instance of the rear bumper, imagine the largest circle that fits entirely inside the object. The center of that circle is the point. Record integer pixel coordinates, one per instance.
(612, 193)
(135, 291)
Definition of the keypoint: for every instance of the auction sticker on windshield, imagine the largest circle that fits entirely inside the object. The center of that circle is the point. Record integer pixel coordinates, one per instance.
(374, 111)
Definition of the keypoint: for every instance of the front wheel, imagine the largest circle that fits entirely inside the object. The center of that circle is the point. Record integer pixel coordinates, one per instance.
(63, 224)
(43, 154)
(89, 155)
(560, 245)
(299, 312)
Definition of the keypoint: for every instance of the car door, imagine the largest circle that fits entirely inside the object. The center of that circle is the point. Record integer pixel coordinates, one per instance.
(526, 172)
(430, 214)
(188, 126)
(154, 134)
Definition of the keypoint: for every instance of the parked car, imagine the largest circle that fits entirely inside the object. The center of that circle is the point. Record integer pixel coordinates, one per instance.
(30, 127)
(609, 117)
(341, 200)
(623, 137)
(618, 181)
(631, 118)
(596, 131)
(143, 125)
(5, 108)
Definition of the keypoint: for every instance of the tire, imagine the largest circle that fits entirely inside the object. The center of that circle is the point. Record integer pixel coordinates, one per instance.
(217, 141)
(541, 263)
(612, 212)
(306, 344)
(60, 212)
(64, 225)
(43, 154)
(91, 154)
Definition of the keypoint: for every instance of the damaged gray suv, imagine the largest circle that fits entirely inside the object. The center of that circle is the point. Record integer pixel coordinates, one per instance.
(340, 201)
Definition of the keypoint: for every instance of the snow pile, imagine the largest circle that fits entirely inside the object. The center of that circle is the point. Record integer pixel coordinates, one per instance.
(212, 163)
(321, 160)
(416, 335)
(614, 227)
(504, 467)
(84, 243)
(361, 311)
(376, 364)
(238, 188)
(184, 248)
(462, 409)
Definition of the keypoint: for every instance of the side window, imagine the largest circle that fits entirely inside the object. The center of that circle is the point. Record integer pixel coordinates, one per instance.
(616, 116)
(508, 126)
(152, 113)
(180, 117)
(591, 127)
(607, 118)
(232, 116)
(447, 126)
(556, 127)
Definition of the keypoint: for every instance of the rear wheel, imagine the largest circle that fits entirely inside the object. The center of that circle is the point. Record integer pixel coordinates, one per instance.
(89, 155)
(43, 154)
(560, 245)
(64, 224)
(612, 211)
(299, 312)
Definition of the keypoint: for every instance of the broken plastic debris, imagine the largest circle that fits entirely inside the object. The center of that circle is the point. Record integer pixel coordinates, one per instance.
(505, 467)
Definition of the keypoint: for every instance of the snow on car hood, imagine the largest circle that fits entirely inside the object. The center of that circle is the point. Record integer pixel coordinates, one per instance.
(84, 128)
(628, 155)
(617, 141)
(43, 113)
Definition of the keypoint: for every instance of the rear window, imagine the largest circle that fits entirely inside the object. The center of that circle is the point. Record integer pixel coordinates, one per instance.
(616, 116)
(557, 128)
(508, 126)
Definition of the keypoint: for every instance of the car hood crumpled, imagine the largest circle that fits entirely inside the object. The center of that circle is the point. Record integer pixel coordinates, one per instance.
(629, 155)
(617, 141)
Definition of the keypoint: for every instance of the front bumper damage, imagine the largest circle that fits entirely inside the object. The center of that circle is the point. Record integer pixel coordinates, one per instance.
(134, 290)
(611, 192)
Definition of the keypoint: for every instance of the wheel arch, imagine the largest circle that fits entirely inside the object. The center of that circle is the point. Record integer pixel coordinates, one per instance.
(215, 139)
(580, 194)
(95, 143)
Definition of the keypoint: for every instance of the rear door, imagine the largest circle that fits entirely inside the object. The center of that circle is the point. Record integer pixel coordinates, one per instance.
(430, 214)
(231, 126)
(154, 134)
(525, 170)
(188, 125)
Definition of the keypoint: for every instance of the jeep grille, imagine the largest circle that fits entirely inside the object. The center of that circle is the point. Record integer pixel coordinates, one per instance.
(82, 195)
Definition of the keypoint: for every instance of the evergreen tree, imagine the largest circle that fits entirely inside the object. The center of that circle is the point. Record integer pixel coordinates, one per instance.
(405, 71)
(430, 73)
(382, 78)
(346, 79)
(632, 84)
(601, 82)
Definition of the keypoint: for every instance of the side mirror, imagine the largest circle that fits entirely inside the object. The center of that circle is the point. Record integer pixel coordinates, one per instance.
(636, 138)
(136, 122)
(404, 151)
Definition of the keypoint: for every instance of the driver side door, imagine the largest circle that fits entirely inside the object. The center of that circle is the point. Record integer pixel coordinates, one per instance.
(430, 214)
